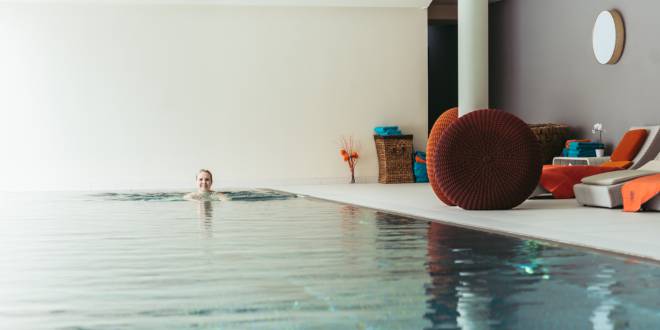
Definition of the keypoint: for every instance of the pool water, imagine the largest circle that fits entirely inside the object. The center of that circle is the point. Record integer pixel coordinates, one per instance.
(273, 261)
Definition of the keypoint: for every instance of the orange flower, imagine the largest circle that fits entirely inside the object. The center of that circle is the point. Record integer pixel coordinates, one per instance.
(343, 152)
(354, 154)
(346, 157)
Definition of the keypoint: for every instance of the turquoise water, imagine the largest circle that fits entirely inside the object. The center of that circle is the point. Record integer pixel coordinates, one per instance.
(271, 261)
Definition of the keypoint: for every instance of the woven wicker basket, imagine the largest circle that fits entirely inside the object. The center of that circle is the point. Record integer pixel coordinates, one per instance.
(552, 138)
(395, 162)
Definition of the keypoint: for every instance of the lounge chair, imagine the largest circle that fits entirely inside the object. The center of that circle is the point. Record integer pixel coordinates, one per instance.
(559, 180)
(604, 190)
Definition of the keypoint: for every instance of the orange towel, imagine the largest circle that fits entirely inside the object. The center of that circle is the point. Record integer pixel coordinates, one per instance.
(559, 180)
(639, 191)
(420, 160)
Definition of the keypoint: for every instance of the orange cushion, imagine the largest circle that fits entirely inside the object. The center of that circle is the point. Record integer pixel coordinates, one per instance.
(630, 144)
(621, 164)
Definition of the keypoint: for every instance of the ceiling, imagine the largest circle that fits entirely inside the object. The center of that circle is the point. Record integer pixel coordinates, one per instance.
(295, 3)
(423, 4)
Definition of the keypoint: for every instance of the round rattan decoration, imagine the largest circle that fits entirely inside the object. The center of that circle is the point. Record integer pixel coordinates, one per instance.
(441, 124)
(487, 160)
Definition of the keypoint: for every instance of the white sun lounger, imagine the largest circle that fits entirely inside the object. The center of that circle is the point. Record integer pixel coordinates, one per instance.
(604, 190)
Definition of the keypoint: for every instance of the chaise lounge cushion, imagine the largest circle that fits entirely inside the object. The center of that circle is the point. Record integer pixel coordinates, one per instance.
(488, 160)
(629, 146)
(618, 164)
(615, 177)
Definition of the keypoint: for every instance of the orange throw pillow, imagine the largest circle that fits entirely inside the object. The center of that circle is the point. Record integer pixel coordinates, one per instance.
(621, 164)
(630, 144)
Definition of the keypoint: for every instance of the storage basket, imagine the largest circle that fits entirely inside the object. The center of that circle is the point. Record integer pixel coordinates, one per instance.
(395, 158)
(552, 138)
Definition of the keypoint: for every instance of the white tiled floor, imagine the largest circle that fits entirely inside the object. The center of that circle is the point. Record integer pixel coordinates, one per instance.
(555, 220)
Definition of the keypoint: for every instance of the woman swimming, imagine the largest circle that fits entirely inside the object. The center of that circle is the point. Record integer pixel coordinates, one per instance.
(204, 193)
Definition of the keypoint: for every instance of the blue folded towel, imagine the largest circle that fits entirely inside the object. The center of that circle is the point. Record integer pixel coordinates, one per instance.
(387, 130)
(585, 145)
(581, 153)
(420, 154)
(421, 179)
(421, 174)
(582, 144)
(419, 169)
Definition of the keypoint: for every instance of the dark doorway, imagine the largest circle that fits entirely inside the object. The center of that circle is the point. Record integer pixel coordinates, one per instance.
(443, 68)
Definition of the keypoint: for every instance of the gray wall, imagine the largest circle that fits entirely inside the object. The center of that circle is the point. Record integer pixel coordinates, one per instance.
(543, 68)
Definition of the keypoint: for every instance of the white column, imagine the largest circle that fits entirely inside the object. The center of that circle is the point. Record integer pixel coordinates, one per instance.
(472, 55)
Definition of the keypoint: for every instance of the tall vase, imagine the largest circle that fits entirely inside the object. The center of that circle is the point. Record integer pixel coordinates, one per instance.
(352, 177)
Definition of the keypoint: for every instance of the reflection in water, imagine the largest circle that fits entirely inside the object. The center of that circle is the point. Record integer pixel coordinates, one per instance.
(297, 263)
(352, 224)
(485, 281)
(460, 282)
(601, 289)
(205, 213)
(473, 276)
(205, 210)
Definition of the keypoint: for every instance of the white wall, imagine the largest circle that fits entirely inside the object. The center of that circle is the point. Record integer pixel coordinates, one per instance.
(97, 96)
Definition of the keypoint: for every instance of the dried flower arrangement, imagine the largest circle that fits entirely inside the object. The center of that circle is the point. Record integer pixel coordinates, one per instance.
(348, 151)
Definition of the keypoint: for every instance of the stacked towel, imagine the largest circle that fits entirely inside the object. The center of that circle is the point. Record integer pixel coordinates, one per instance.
(568, 142)
(582, 149)
(387, 130)
(419, 167)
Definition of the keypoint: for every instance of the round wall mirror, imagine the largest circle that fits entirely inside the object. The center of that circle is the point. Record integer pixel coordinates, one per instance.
(608, 37)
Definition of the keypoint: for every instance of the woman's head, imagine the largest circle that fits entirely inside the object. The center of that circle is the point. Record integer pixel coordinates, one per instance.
(204, 180)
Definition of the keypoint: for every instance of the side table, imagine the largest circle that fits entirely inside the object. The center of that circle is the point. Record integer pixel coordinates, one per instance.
(568, 161)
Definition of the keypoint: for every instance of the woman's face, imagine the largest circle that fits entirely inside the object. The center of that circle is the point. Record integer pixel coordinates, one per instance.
(204, 182)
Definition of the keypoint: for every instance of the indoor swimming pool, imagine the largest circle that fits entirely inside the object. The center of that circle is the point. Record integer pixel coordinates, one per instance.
(267, 260)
